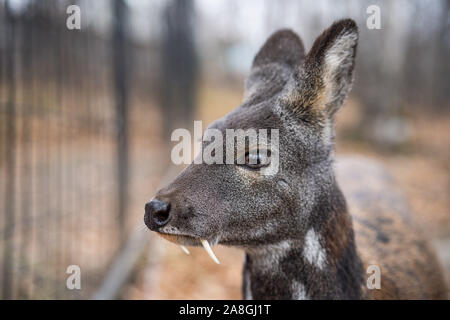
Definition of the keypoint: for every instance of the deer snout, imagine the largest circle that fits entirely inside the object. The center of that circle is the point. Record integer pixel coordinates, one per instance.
(157, 214)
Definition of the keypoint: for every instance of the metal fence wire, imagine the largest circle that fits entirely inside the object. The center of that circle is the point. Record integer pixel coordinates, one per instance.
(63, 148)
(76, 115)
(58, 140)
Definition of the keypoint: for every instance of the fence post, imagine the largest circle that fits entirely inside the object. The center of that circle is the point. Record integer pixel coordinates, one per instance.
(8, 254)
(121, 95)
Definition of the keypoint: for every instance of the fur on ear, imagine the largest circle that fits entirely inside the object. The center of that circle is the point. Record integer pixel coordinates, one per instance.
(284, 46)
(326, 76)
(279, 57)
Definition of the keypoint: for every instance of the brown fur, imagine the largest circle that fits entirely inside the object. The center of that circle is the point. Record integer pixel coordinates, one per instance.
(386, 236)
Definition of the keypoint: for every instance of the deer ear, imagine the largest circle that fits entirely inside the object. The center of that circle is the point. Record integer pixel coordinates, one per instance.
(284, 47)
(325, 78)
(272, 66)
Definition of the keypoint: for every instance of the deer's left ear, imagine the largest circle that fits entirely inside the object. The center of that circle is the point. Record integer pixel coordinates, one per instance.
(325, 78)
(282, 53)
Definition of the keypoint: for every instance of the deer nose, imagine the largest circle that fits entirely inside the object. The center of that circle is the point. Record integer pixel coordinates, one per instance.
(157, 214)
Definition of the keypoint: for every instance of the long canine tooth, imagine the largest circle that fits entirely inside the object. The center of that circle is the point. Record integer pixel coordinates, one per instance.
(209, 251)
(184, 249)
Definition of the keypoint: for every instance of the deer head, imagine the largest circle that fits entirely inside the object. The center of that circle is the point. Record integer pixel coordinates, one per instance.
(235, 204)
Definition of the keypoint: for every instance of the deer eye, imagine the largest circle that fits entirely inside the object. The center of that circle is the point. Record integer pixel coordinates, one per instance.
(256, 160)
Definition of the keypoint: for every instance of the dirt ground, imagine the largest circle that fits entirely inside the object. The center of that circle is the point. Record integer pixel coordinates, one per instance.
(421, 170)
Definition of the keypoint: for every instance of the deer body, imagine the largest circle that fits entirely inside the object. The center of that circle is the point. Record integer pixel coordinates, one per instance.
(303, 237)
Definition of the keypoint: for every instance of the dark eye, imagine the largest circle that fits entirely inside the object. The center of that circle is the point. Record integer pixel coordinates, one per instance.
(256, 160)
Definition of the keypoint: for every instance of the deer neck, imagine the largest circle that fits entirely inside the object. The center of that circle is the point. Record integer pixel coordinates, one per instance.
(322, 263)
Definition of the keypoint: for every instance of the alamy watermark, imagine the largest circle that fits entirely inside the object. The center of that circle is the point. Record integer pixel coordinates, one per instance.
(254, 148)
(374, 19)
(374, 280)
(73, 281)
(73, 21)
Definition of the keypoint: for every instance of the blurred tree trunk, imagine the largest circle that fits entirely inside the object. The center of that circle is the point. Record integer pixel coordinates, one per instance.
(441, 61)
(121, 95)
(380, 77)
(179, 66)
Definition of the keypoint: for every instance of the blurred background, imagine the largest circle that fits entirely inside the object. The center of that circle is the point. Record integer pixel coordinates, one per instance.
(86, 116)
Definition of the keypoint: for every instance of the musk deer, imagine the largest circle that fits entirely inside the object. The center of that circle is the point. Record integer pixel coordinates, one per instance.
(304, 237)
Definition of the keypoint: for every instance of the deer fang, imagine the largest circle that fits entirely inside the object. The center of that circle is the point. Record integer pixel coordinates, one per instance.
(184, 249)
(209, 251)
